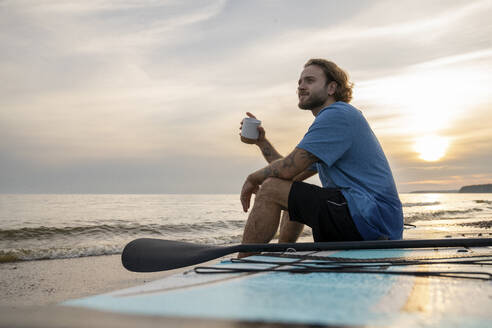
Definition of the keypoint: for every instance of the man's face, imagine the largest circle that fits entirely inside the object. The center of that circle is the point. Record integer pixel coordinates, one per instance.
(312, 89)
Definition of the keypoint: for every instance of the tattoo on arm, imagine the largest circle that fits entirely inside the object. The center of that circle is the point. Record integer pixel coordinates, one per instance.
(297, 162)
(267, 171)
(269, 152)
(289, 161)
(307, 155)
(270, 172)
(288, 168)
(292, 162)
(266, 151)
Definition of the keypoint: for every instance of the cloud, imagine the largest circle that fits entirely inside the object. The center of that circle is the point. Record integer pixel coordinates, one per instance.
(371, 44)
(101, 83)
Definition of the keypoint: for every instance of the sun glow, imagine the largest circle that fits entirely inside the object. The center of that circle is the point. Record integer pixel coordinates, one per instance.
(431, 148)
(427, 100)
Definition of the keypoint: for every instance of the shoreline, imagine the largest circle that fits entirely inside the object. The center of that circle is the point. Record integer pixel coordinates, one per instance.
(52, 281)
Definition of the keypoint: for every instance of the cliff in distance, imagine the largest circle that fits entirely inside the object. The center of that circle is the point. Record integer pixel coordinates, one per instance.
(485, 188)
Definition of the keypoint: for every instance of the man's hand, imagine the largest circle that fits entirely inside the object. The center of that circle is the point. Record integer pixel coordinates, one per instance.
(261, 133)
(294, 164)
(267, 149)
(249, 188)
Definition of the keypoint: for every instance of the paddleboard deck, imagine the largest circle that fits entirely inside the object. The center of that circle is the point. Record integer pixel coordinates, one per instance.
(247, 292)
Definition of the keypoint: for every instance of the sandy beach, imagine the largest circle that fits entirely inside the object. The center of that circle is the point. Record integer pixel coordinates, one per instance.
(31, 290)
(48, 282)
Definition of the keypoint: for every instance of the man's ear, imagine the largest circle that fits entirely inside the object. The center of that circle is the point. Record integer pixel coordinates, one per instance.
(332, 88)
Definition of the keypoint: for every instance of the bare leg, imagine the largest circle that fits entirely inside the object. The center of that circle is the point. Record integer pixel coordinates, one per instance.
(289, 230)
(264, 218)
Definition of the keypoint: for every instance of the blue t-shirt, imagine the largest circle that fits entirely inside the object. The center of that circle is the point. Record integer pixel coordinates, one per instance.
(351, 159)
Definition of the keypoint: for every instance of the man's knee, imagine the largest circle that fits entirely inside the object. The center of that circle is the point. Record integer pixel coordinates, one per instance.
(270, 185)
(276, 190)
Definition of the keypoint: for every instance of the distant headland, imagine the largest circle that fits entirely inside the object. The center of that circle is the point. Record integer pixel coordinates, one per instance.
(476, 188)
(484, 188)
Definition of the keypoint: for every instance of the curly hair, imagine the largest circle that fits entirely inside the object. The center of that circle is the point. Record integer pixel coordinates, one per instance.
(335, 73)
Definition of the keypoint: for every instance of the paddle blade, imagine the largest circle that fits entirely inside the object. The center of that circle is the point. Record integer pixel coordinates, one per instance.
(151, 255)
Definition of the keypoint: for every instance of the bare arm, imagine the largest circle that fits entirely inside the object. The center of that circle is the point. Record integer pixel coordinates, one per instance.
(271, 154)
(298, 161)
(268, 151)
(304, 175)
(294, 164)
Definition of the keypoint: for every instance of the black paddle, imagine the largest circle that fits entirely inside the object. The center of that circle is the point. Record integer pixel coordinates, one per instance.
(151, 255)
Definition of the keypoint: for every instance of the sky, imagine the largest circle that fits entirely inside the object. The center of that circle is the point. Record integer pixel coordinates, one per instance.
(147, 96)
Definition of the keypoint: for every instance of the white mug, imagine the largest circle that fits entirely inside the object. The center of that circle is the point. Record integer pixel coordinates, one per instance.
(250, 128)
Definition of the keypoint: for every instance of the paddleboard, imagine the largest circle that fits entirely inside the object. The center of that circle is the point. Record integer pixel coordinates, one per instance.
(420, 287)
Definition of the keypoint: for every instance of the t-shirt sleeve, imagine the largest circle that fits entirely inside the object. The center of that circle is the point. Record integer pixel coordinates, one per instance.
(329, 137)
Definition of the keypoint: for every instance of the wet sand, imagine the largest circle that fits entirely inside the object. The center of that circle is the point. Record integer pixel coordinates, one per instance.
(30, 294)
(49, 282)
(31, 291)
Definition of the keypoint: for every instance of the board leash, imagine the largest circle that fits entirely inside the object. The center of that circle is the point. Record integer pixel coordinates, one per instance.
(308, 263)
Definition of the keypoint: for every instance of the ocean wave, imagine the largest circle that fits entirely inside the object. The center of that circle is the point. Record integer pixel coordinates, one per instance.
(63, 252)
(481, 201)
(130, 229)
(420, 204)
(455, 212)
(444, 214)
(41, 252)
(26, 254)
(215, 240)
(487, 224)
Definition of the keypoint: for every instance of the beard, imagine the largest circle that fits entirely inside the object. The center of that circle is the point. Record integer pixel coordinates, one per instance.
(313, 101)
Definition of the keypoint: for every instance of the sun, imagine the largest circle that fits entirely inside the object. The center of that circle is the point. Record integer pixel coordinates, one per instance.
(431, 148)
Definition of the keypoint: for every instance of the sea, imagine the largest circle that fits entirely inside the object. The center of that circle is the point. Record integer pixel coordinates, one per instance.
(37, 227)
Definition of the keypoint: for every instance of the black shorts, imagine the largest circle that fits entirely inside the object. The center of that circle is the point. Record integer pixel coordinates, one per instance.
(325, 210)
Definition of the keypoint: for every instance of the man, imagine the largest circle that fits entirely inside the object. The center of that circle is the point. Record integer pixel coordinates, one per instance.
(358, 201)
